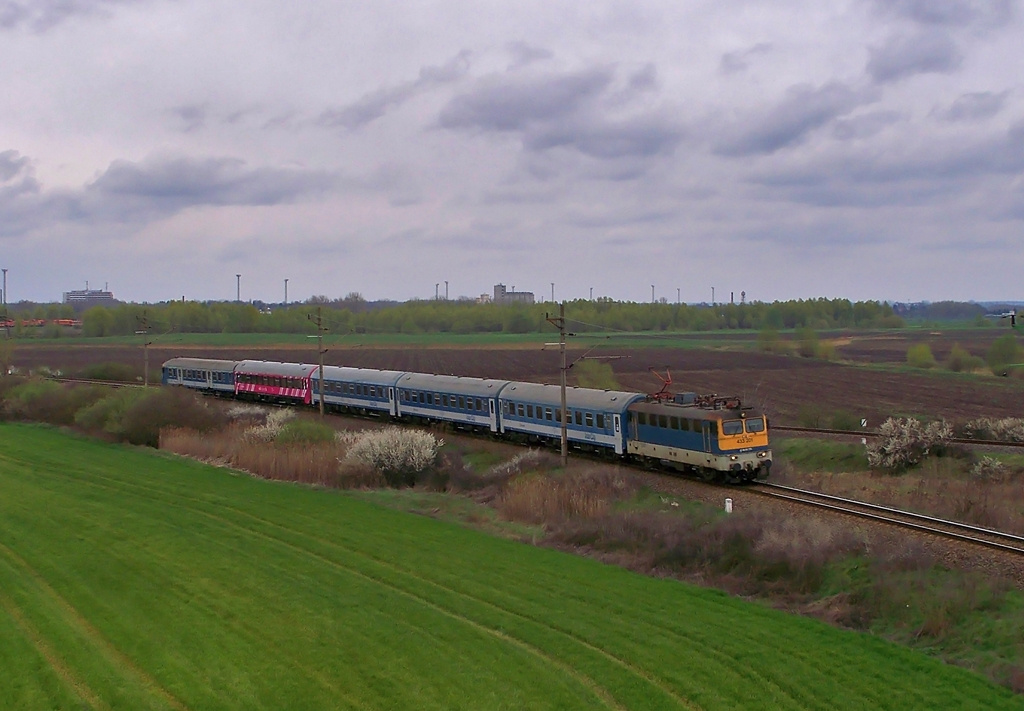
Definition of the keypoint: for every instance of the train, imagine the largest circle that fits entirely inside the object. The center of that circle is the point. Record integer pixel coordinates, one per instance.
(715, 438)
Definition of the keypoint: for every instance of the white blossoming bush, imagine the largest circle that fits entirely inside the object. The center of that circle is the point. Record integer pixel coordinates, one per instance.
(988, 469)
(268, 431)
(1006, 429)
(903, 442)
(247, 411)
(399, 454)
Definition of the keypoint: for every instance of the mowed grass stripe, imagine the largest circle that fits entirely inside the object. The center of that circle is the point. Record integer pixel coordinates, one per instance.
(33, 673)
(536, 670)
(570, 594)
(408, 583)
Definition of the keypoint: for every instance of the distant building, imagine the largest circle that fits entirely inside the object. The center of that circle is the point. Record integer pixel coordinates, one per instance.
(504, 296)
(88, 297)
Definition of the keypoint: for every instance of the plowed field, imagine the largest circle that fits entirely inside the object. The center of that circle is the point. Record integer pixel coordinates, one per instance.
(788, 386)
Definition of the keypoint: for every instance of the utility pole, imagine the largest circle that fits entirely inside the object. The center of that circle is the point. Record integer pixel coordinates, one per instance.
(712, 296)
(144, 332)
(559, 323)
(320, 353)
(436, 286)
(285, 292)
(652, 293)
(552, 292)
(4, 295)
(445, 289)
(238, 287)
(678, 297)
(591, 293)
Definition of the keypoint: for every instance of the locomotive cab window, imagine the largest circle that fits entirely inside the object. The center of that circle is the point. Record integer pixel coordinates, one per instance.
(732, 427)
(755, 424)
(641, 418)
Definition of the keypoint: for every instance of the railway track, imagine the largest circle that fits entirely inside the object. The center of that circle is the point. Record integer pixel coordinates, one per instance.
(962, 532)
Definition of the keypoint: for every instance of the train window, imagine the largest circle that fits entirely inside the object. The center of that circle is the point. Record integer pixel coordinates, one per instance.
(673, 422)
(641, 418)
(529, 411)
(600, 421)
(558, 415)
(755, 424)
(479, 404)
(713, 427)
(590, 419)
(732, 427)
(547, 414)
(579, 417)
(663, 421)
(462, 402)
(521, 409)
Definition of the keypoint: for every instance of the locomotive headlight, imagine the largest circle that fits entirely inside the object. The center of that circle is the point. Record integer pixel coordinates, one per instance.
(733, 458)
(762, 455)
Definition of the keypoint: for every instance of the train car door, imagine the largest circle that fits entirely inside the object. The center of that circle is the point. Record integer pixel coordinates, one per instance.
(493, 415)
(392, 402)
(618, 433)
(706, 426)
(209, 380)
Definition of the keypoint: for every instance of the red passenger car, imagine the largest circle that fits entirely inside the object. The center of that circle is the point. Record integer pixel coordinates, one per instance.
(274, 382)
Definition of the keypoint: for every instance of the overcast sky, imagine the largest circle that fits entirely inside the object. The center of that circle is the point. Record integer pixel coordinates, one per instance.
(866, 149)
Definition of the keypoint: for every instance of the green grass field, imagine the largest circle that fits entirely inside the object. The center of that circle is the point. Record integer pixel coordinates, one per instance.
(133, 580)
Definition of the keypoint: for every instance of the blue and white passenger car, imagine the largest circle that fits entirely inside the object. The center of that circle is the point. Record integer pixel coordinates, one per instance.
(467, 402)
(596, 418)
(359, 390)
(203, 374)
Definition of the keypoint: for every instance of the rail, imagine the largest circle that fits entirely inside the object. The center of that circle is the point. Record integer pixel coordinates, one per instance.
(967, 533)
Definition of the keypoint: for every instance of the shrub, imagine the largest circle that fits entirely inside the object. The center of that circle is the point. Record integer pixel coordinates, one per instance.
(112, 372)
(769, 341)
(47, 401)
(107, 413)
(988, 469)
(807, 342)
(810, 416)
(904, 443)
(920, 355)
(1006, 429)
(137, 415)
(961, 361)
(843, 420)
(271, 426)
(595, 374)
(304, 431)
(398, 454)
(1005, 351)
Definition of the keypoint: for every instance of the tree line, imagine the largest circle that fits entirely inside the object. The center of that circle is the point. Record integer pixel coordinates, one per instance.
(466, 317)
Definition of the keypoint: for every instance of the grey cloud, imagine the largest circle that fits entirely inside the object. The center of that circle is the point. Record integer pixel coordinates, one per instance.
(374, 105)
(575, 111)
(11, 164)
(177, 183)
(524, 54)
(192, 117)
(42, 15)
(952, 13)
(975, 106)
(803, 110)
(902, 56)
(512, 104)
(865, 125)
(914, 177)
(733, 62)
(642, 136)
